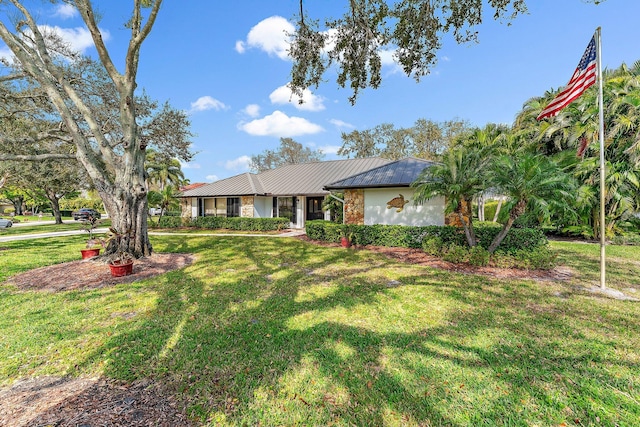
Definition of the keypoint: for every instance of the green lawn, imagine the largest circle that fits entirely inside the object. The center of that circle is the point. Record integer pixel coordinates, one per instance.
(34, 227)
(271, 331)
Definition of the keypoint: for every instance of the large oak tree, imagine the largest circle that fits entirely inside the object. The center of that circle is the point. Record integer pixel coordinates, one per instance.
(114, 164)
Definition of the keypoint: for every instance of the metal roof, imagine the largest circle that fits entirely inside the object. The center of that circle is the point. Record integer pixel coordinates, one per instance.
(400, 173)
(289, 180)
(238, 185)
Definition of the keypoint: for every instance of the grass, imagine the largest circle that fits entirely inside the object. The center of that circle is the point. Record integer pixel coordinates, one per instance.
(264, 331)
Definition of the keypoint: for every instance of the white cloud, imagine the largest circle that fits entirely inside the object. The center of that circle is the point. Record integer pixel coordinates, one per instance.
(190, 165)
(329, 149)
(310, 102)
(445, 58)
(270, 35)
(252, 110)
(279, 124)
(79, 38)
(205, 103)
(388, 60)
(65, 11)
(240, 46)
(341, 124)
(241, 163)
(212, 178)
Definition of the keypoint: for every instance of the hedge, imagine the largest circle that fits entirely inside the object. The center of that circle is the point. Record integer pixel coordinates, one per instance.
(232, 223)
(412, 236)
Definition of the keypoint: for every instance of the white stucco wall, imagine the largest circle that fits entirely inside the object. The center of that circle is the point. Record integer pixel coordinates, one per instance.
(262, 207)
(376, 211)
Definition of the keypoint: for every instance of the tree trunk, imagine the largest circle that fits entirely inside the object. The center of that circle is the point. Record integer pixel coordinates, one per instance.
(495, 215)
(517, 210)
(468, 229)
(127, 209)
(481, 207)
(17, 203)
(160, 217)
(55, 207)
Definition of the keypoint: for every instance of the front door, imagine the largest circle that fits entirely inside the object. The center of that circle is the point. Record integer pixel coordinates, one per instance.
(314, 208)
(287, 209)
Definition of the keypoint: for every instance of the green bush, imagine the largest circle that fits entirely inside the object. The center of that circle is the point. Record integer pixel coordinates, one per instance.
(8, 211)
(516, 239)
(170, 222)
(540, 258)
(479, 256)
(432, 245)
(455, 253)
(414, 236)
(490, 210)
(631, 239)
(233, 223)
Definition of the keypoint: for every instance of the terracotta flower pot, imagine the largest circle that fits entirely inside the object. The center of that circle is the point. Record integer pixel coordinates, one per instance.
(124, 269)
(90, 253)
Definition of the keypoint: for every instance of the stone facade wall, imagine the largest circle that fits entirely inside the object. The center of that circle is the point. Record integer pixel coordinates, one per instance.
(246, 207)
(454, 219)
(185, 207)
(354, 206)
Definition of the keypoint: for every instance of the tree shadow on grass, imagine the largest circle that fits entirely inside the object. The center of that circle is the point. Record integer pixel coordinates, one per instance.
(290, 333)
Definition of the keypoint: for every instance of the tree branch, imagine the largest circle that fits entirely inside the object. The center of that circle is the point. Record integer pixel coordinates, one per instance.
(36, 157)
(139, 35)
(85, 9)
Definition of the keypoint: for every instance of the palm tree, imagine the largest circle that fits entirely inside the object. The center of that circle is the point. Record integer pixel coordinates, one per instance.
(579, 123)
(167, 200)
(163, 171)
(493, 138)
(531, 182)
(459, 178)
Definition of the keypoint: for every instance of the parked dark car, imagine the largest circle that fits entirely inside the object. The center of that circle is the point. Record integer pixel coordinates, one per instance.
(86, 214)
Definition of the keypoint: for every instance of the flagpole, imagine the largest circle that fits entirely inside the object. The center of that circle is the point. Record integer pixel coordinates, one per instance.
(602, 165)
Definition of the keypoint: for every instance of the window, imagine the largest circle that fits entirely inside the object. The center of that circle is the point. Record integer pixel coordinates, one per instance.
(287, 208)
(200, 206)
(233, 206)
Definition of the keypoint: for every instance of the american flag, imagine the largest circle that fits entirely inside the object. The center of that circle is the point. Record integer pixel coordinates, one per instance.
(583, 77)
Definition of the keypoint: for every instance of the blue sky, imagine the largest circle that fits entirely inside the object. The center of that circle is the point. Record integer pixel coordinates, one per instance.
(225, 63)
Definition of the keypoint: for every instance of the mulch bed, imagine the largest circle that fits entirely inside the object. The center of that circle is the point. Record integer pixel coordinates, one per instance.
(88, 402)
(94, 274)
(418, 256)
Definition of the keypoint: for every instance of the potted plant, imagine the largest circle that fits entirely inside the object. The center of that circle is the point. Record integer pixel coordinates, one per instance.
(120, 262)
(92, 248)
(347, 239)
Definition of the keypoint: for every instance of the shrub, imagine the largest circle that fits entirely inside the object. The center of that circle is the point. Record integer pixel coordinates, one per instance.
(232, 223)
(455, 253)
(432, 245)
(540, 258)
(490, 207)
(170, 222)
(414, 236)
(479, 256)
(515, 240)
(631, 239)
